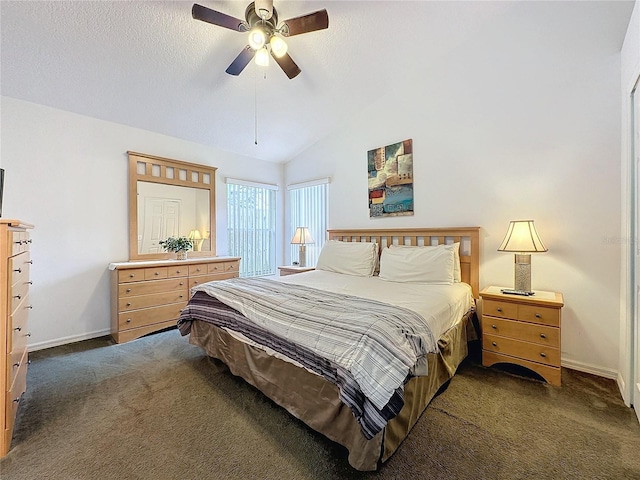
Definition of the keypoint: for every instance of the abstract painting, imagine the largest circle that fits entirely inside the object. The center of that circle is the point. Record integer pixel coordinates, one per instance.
(391, 180)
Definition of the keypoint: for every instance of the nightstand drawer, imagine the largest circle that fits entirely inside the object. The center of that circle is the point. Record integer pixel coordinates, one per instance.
(520, 349)
(536, 314)
(527, 332)
(500, 309)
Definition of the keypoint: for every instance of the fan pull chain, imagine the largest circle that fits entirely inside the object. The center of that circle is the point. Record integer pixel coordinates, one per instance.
(255, 103)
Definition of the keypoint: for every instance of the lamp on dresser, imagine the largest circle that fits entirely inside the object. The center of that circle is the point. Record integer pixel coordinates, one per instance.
(302, 237)
(522, 239)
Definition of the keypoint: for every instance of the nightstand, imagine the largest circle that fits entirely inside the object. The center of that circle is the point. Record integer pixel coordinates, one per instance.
(522, 330)
(293, 269)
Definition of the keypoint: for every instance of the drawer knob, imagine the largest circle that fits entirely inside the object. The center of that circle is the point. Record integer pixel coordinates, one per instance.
(538, 315)
(128, 320)
(499, 309)
(30, 307)
(19, 270)
(156, 273)
(29, 283)
(128, 290)
(129, 304)
(494, 344)
(30, 262)
(181, 296)
(181, 283)
(131, 275)
(197, 269)
(16, 364)
(27, 334)
(18, 329)
(542, 335)
(16, 400)
(542, 354)
(494, 327)
(17, 296)
(178, 271)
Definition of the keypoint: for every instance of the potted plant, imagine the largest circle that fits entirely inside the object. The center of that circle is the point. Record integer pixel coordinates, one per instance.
(180, 245)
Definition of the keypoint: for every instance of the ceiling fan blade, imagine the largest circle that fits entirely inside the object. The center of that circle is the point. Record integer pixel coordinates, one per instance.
(241, 61)
(217, 18)
(287, 65)
(307, 23)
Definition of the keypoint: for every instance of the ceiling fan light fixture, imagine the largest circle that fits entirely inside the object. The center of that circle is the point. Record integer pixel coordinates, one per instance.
(257, 38)
(262, 57)
(278, 46)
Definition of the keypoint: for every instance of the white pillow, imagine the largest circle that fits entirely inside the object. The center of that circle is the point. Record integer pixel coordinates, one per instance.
(417, 265)
(457, 272)
(351, 258)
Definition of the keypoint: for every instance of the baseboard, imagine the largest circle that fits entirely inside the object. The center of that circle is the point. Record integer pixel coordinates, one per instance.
(592, 369)
(64, 340)
(622, 386)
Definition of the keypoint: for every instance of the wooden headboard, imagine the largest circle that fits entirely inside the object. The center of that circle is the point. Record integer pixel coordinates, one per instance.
(469, 238)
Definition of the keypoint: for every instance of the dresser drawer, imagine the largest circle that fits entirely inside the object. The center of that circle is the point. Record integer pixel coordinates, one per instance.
(177, 271)
(19, 268)
(198, 269)
(541, 334)
(18, 293)
(199, 280)
(156, 286)
(149, 316)
(14, 362)
(15, 391)
(144, 301)
(20, 241)
(156, 273)
(526, 350)
(223, 267)
(499, 309)
(17, 323)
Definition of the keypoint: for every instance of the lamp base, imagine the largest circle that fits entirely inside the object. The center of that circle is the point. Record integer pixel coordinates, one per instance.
(523, 273)
(302, 256)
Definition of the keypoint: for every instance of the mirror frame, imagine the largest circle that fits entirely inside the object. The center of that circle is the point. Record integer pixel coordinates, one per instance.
(158, 170)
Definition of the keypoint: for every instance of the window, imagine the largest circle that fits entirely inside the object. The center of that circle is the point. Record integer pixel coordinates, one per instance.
(309, 208)
(251, 220)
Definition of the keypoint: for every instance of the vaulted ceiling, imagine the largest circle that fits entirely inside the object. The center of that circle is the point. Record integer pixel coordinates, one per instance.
(150, 65)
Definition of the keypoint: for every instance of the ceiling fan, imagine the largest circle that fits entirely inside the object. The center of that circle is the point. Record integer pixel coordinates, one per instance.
(265, 34)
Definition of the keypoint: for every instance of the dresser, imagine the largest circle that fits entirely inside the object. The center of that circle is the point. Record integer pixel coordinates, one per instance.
(14, 277)
(523, 330)
(149, 296)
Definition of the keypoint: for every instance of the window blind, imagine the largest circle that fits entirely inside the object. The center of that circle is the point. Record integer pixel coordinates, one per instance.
(251, 226)
(309, 208)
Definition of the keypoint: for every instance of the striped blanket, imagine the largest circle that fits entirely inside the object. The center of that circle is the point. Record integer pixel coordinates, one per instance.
(367, 348)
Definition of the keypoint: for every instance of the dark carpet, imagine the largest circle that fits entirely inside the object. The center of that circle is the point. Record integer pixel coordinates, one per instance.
(158, 408)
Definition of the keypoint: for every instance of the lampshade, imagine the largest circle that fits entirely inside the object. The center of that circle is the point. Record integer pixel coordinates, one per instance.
(302, 237)
(262, 57)
(195, 235)
(278, 46)
(257, 38)
(522, 237)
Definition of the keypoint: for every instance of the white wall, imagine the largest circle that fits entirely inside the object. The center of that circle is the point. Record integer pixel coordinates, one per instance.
(68, 175)
(630, 68)
(507, 126)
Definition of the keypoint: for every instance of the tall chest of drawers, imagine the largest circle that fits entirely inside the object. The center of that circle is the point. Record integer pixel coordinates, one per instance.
(149, 296)
(15, 261)
(523, 330)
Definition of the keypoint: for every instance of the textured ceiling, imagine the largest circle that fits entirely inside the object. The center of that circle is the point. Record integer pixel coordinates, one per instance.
(150, 65)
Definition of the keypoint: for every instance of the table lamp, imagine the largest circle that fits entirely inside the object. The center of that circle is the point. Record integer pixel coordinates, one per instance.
(195, 237)
(523, 240)
(302, 237)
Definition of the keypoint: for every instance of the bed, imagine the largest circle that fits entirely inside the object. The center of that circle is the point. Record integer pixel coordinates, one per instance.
(356, 405)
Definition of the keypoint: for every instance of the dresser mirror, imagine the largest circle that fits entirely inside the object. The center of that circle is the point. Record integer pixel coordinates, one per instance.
(170, 198)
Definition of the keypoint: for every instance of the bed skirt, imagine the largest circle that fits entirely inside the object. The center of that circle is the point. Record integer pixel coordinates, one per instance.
(314, 400)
